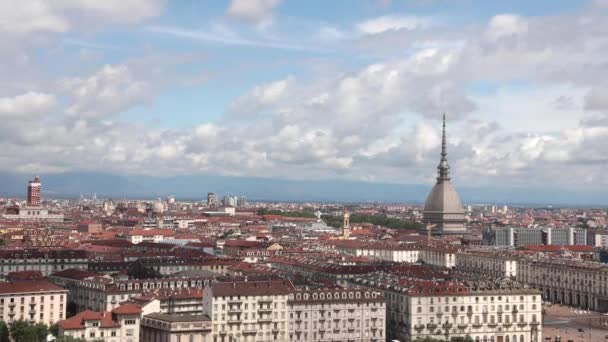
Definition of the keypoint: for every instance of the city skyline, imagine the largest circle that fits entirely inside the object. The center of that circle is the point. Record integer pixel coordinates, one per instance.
(281, 90)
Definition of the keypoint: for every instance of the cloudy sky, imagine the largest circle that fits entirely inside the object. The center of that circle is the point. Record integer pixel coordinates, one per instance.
(343, 89)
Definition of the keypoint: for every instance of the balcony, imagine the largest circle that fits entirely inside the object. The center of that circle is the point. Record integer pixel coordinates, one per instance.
(264, 300)
(492, 324)
(522, 324)
(477, 325)
(462, 326)
(265, 310)
(249, 331)
(264, 320)
(234, 321)
(419, 326)
(235, 301)
(431, 326)
(446, 325)
(534, 324)
(507, 324)
(514, 311)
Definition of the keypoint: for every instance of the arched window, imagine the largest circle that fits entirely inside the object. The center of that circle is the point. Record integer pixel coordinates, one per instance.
(521, 338)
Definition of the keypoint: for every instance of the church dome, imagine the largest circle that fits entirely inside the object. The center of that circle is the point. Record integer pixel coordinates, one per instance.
(443, 198)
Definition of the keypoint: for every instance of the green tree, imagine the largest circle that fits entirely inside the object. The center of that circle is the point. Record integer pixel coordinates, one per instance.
(70, 310)
(23, 331)
(138, 270)
(4, 333)
(69, 339)
(54, 329)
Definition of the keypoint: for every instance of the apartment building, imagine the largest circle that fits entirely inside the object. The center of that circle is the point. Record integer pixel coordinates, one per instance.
(42, 260)
(380, 250)
(249, 310)
(497, 264)
(485, 311)
(337, 315)
(568, 282)
(104, 293)
(120, 325)
(176, 328)
(34, 300)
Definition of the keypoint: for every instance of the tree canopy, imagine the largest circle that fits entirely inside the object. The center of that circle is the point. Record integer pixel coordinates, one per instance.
(377, 219)
(138, 270)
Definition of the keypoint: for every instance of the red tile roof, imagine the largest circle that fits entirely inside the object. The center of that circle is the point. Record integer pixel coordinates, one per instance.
(78, 321)
(253, 288)
(29, 287)
(127, 309)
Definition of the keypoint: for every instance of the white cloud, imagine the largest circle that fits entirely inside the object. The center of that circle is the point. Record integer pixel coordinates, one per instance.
(258, 12)
(506, 25)
(39, 16)
(26, 106)
(392, 23)
(109, 91)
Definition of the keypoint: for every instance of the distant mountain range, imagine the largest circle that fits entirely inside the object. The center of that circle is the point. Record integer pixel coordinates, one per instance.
(195, 187)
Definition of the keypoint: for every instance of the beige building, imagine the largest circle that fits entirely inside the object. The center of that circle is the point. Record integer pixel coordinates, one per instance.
(120, 325)
(38, 301)
(489, 263)
(159, 327)
(248, 310)
(44, 261)
(567, 282)
(487, 312)
(103, 293)
(442, 256)
(337, 315)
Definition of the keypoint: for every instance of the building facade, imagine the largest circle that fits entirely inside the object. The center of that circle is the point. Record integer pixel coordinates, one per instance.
(248, 311)
(120, 325)
(38, 301)
(337, 315)
(417, 309)
(175, 328)
(489, 263)
(567, 282)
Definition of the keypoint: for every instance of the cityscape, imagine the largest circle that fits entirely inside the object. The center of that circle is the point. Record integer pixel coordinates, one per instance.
(281, 170)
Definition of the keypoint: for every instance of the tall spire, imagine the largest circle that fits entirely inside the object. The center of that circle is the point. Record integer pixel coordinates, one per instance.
(443, 167)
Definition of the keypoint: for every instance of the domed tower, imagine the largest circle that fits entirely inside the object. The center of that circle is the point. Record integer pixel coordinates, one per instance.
(443, 207)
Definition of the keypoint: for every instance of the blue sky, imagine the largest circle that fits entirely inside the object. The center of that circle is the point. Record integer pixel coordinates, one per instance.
(349, 90)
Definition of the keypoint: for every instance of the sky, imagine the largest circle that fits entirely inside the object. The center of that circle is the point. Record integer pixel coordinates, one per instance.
(308, 90)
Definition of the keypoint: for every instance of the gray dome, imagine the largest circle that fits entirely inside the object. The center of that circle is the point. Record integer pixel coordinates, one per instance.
(443, 198)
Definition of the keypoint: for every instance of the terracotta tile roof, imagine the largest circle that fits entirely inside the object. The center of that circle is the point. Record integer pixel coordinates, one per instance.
(74, 273)
(253, 288)
(127, 309)
(78, 321)
(29, 287)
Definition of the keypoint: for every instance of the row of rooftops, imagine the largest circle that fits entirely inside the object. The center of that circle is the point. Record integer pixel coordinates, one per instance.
(441, 286)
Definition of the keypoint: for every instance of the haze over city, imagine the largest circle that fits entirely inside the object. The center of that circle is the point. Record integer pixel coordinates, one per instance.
(309, 91)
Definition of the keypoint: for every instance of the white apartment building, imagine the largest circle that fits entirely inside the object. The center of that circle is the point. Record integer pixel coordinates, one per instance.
(248, 311)
(484, 311)
(567, 282)
(136, 236)
(103, 293)
(381, 250)
(444, 256)
(490, 263)
(176, 328)
(37, 300)
(120, 325)
(337, 315)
